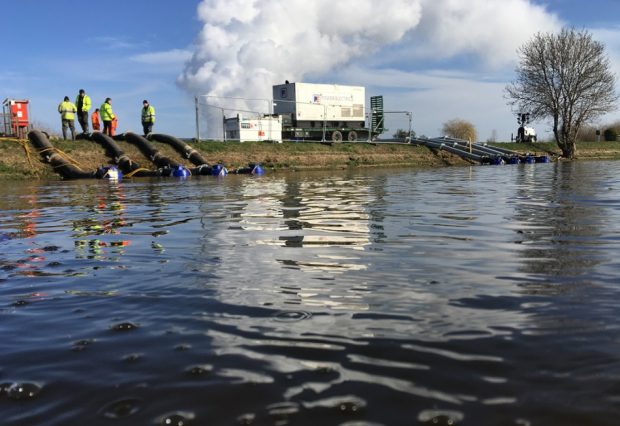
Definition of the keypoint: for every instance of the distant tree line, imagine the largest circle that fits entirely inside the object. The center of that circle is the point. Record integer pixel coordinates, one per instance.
(608, 132)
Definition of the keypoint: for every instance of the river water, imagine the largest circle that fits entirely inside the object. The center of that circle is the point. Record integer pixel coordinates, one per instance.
(460, 296)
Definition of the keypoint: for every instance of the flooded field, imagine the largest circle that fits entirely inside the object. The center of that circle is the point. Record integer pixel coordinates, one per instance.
(460, 296)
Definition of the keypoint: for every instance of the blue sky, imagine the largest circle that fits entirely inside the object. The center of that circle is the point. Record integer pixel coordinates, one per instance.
(137, 49)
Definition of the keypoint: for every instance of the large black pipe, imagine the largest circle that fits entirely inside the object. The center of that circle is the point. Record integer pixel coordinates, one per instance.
(461, 153)
(181, 147)
(490, 149)
(475, 149)
(60, 164)
(149, 151)
(507, 155)
(126, 164)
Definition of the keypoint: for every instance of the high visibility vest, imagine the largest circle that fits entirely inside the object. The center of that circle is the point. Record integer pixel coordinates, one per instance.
(85, 102)
(106, 112)
(96, 123)
(148, 114)
(67, 110)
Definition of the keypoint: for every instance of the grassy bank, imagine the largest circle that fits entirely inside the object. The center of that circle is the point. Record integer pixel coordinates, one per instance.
(19, 160)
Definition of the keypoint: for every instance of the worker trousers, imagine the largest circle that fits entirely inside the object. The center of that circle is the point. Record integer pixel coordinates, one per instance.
(147, 127)
(70, 125)
(83, 120)
(107, 127)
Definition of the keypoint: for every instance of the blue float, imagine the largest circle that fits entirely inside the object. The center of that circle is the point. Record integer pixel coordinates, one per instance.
(219, 170)
(498, 161)
(181, 171)
(258, 170)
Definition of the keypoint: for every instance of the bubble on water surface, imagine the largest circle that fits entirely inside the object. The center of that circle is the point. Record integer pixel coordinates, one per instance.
(23, 391)
(124, 326)
(179, 418)
(348, 405)
(122, 408)
(199, 370)
(80, 345)
(291, 316)
(133, 357)
(440, 417)
(182, 347)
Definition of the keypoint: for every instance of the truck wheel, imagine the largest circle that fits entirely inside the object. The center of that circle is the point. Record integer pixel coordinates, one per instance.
(352, 136)
(336, 136)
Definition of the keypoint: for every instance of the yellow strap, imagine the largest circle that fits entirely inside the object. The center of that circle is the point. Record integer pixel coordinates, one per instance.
(141, 169)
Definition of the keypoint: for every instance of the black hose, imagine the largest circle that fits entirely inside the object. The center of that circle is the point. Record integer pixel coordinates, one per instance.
(60, 164)
(149, 151)
(181, 147)
(461, 153)
(117, 155)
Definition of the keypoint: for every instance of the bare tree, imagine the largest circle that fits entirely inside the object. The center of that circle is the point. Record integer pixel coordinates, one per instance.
(564, 77)
(460, 129)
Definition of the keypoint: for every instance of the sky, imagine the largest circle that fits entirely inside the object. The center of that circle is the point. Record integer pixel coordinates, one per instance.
(439, 59)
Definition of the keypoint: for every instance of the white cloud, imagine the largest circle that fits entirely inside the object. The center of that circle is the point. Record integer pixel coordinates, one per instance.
(490, 30)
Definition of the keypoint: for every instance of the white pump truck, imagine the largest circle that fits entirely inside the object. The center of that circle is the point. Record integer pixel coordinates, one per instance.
(312, 112)
(326, 112)
(525, 133)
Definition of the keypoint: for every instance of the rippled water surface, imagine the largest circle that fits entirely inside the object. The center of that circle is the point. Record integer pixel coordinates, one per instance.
(482, 296)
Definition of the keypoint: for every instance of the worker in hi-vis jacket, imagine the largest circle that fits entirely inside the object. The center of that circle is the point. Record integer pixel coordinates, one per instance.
(148, 117)
(82, 102)
(107, 115)
(67, 112)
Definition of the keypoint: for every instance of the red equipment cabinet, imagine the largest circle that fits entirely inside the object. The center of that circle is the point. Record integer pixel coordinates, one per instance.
(15, 117)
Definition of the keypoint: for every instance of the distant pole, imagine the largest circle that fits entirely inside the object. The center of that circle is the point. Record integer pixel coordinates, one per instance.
(197, 120)
(324, 122)
(410, 114)
(223, 125)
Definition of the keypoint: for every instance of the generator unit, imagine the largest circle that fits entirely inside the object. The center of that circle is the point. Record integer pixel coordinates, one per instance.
(324, 111)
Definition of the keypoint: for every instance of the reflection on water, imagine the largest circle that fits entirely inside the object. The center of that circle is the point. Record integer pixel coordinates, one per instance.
(460, 296)
(563, 227)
